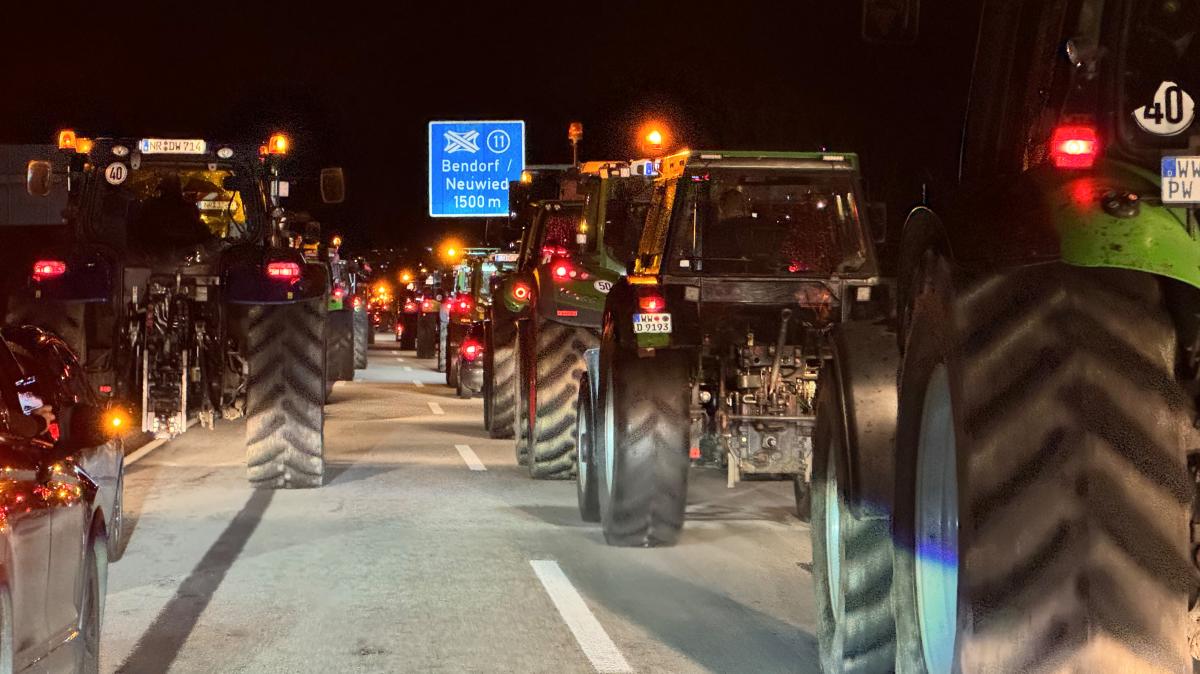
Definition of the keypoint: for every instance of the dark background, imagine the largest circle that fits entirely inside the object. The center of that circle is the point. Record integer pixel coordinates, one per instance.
(355, 84)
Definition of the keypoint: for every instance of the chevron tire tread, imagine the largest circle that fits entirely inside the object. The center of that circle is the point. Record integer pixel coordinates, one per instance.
(1072, 434)
(339, 335)
(560, 367)
(362, 332)
(860, 636)
(500, 400)
(649, 400)
(521, 379)
(285, 417)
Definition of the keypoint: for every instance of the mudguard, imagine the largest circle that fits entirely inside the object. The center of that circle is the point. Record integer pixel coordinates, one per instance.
(244, 276)
(866, 361)
(575, 301)
(1108, 217)
(88, 278)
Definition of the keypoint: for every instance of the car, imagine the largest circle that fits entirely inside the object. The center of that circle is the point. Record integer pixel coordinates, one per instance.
(469, 368)
(55, 517)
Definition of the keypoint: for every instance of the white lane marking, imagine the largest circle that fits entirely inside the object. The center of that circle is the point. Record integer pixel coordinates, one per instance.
(399, 359)
(435, 408)
(408, 368)
(470, 457)
(151, 446)
(417, 383)
(595, 642)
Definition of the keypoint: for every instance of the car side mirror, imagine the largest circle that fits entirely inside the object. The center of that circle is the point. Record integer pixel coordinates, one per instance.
(877, 219)
(38, 176)
(333, 185)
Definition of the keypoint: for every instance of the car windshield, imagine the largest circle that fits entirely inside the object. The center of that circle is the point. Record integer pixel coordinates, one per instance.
(165, 206)
(1159, 69)
(760, 221)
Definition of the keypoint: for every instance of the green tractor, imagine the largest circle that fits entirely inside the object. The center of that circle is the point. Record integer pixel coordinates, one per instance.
(1025, 498)
(467, 303)
(569, 261)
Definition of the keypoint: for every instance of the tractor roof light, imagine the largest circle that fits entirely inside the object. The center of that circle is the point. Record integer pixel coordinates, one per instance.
(1074, 146)
(279, 144)
(66, 139)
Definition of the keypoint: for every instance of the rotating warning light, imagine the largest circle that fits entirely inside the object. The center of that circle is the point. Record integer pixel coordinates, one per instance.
(66, 139)
(278, 144)
(655, 138)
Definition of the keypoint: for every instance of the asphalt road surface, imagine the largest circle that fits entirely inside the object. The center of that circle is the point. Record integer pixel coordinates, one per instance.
(430, 550)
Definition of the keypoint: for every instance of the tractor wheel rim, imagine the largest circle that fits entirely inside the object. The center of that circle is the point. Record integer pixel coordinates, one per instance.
(833, 537)
(583, 437)
(936, 567)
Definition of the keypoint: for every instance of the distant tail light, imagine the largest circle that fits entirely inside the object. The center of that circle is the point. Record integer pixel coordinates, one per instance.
(283, 271)
(426, 305)
(463, 305)
(652, 304)
(44, 269)
(357, 303)
(410, 307)
(338, 292)
(471, 350)
(1074, 146)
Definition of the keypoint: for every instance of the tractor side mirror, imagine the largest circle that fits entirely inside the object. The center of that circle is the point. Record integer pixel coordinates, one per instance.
(877, 218)
(333, 185)
(38, 175)
(895, 22)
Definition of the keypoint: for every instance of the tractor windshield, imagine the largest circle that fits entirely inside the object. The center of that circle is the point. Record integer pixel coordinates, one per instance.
(162, 207)
(767, 221)
(1159, 73)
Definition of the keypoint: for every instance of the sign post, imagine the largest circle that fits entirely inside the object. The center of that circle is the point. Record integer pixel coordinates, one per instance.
(471, 165)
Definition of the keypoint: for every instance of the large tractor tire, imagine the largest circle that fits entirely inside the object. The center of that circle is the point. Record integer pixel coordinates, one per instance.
(553, 392)
(852, 560)
(339, 336)
(285, 417)
(499, 403)
(426, 337)
(452, 343)
(362, 334)
(521, 382)
(642, 446)
(1042, 495)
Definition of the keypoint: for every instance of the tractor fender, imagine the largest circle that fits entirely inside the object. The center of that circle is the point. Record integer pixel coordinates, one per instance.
(244, 275)
(865, 364)
(88, 277)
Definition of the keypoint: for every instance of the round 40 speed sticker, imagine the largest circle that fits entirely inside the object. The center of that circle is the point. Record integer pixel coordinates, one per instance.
(116, 173)
(1169, 114)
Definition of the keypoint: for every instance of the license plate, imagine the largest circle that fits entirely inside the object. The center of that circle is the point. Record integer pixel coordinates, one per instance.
(1181, 180)
(171, 146)
(652, 323)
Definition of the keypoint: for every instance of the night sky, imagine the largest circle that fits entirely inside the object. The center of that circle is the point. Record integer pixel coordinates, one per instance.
(355, 84)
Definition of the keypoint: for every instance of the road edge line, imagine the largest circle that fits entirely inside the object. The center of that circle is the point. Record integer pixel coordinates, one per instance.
(589, 633)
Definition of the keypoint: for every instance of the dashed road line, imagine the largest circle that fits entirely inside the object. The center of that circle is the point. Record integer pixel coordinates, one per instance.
(595, 642)
(470, 457)
(436, 408)
(408, 368)
(418, 384)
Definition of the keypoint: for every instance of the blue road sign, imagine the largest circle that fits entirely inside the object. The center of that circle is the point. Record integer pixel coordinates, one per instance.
(471, 165)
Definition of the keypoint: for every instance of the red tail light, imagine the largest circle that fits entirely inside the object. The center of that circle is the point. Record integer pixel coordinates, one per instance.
(43, 269)
(1074, 146)
(521, 292)
(283, 271)
(426, 305)
(339, 292)
(357, 303)
(652, 304)
(463, 305)
(471, 350)
(410, 307)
